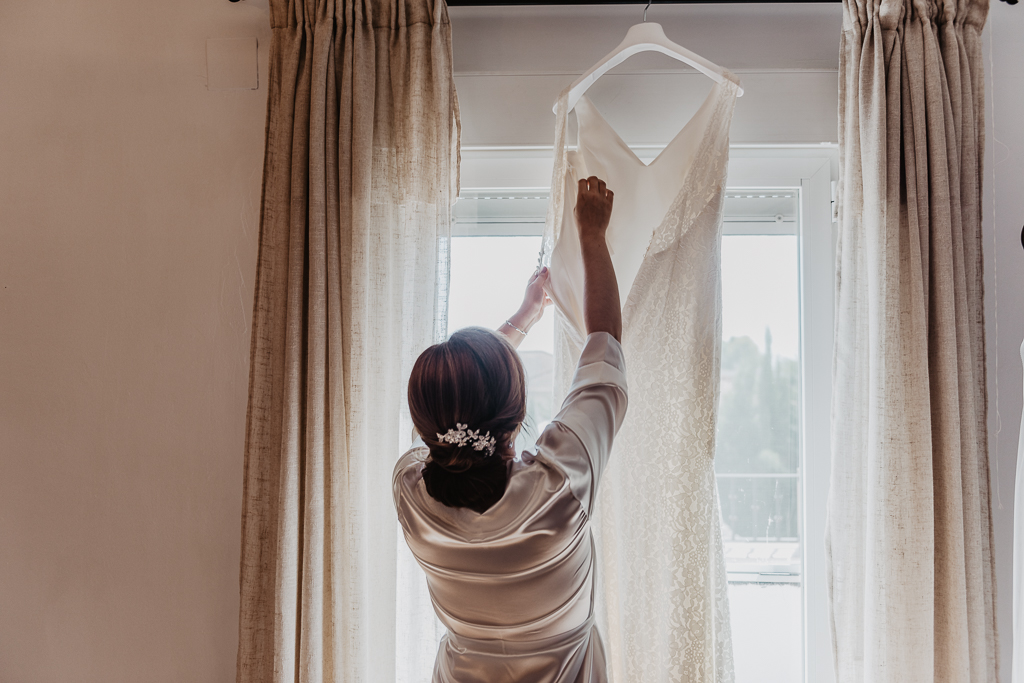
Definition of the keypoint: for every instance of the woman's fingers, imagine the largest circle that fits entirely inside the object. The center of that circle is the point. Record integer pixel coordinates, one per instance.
(591, 184)
(538, 281)
(595, 185)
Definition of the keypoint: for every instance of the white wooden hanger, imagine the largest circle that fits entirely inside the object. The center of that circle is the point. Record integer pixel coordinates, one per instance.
(646, 37)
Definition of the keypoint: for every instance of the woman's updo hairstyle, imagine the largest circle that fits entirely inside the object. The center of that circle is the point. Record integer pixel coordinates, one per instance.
(474, 378)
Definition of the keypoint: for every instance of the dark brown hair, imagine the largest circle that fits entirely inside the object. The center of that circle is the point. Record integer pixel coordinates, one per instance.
(474, 378)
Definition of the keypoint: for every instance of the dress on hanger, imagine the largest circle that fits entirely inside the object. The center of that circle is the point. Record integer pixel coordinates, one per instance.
(662, 602)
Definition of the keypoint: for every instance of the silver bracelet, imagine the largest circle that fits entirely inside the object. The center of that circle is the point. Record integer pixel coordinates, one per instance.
(515, 328)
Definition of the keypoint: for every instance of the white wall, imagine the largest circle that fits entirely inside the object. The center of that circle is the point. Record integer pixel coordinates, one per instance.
(511, 63)
(1004, 286)
(128, 224)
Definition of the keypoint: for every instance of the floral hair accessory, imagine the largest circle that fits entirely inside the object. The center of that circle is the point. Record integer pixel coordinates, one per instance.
(462, 436)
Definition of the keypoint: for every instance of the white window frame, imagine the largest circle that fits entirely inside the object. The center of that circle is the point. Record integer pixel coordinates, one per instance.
(810, 170)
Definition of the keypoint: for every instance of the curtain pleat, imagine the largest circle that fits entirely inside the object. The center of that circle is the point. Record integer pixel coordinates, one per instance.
(360, 172)
(909, 531)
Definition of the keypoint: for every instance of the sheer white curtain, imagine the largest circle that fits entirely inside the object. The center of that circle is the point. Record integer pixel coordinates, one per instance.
(909, 529)
(359, 175)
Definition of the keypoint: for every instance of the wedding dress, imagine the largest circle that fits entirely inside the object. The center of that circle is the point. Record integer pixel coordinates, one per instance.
(662, 601)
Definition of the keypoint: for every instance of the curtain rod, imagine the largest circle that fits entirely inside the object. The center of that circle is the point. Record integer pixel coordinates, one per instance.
(535, 3)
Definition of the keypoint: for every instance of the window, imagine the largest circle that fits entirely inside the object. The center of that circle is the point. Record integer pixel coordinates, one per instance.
(772, 457)
(757, 453)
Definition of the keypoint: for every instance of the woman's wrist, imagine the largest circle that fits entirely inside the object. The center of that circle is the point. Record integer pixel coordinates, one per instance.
(521, 322)
(593, 240)
(514, 333)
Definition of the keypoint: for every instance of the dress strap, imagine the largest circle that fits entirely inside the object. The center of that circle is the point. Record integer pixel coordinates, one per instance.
(706, 176)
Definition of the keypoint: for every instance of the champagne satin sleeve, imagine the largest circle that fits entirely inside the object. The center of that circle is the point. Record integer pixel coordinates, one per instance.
(579, 439)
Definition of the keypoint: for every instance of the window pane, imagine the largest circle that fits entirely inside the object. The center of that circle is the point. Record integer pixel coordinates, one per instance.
(757, 456)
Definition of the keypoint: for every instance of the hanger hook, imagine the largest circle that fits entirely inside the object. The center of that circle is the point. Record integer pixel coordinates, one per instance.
(645, 9)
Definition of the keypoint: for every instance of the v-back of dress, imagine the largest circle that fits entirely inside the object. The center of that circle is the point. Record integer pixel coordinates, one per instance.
(662, 598)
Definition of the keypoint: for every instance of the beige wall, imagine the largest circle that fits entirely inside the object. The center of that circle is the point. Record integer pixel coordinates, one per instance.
(128, 224)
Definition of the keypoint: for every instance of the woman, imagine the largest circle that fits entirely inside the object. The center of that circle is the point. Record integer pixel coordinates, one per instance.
(505, 542)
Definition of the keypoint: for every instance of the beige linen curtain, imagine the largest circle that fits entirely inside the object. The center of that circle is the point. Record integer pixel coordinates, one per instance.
(359, 175)
(909, 529)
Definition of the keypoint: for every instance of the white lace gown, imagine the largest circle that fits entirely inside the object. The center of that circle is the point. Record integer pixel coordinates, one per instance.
(662, 601)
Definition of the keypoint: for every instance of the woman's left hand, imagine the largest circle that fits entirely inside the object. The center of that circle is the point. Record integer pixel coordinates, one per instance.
(536, 299)
(534, 303)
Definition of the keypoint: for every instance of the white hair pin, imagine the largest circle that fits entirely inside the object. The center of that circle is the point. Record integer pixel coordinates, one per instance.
(463, 436)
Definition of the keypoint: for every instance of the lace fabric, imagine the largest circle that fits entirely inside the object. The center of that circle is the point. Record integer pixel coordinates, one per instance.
(662, 602)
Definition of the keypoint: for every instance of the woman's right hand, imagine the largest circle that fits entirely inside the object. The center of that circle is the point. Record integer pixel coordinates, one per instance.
(601, 310)
(593, 208)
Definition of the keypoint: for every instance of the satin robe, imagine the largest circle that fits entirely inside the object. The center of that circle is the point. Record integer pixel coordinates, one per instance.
(514, 586)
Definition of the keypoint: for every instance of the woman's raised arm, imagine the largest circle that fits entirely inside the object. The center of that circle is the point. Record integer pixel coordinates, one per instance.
(601, 309)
